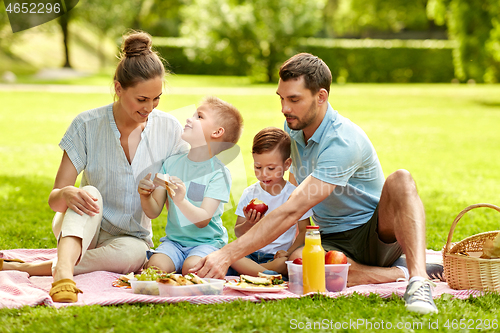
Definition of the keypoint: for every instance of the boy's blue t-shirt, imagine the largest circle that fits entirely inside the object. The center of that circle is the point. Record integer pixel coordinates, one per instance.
(339, 153)
(202, 179)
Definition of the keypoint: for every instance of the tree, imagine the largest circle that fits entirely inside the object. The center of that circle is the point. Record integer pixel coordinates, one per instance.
(111, 18)
(361, 17)
(475, 25)
(64, 22)
(67, 6)
(162, 18)
(252, 35)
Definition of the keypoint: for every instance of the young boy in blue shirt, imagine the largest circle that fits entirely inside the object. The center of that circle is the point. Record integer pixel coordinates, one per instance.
(201, 187)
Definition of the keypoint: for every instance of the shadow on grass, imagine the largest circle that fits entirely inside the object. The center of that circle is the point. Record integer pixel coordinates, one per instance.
(25, 216)
(489, 104)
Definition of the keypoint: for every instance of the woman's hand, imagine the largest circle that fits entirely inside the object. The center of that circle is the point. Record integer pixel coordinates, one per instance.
(80, 201)
(146, 186)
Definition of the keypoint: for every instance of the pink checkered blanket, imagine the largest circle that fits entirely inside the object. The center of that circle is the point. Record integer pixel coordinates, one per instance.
(17, 289)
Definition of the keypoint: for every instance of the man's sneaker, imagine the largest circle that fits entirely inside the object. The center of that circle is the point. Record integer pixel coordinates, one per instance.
(418, 297)
(434, 271)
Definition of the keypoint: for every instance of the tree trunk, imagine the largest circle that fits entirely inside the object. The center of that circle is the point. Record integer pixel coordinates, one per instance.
(271, 64)
(64, 21)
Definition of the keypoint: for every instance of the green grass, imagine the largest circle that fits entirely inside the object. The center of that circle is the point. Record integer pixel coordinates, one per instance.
(105, 78)
(445, 135)
(324, 314)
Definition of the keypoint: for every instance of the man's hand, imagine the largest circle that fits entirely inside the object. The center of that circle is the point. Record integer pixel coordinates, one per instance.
(215, 265)
(146, 186)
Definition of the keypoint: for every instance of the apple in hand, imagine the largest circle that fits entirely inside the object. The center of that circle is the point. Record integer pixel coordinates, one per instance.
(297, 261)
(335, 257)
(258, 205)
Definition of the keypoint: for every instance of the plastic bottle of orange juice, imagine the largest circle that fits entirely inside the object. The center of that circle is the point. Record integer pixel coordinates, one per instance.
(313, 262)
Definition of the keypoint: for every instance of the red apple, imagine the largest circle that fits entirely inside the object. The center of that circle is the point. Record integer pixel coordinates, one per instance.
(335, 257)
(334, 283)
(258, 205)
(297, 261)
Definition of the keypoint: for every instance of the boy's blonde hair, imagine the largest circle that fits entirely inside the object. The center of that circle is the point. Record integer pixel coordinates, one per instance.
(228, 116)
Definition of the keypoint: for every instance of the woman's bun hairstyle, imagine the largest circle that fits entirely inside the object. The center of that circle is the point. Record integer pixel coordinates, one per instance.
(138, 61)
(137, 44)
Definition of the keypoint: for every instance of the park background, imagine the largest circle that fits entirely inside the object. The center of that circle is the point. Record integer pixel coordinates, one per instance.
(361, 40)
(420, 77)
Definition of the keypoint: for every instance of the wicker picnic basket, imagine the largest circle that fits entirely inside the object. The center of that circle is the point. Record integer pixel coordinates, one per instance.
(470, 272)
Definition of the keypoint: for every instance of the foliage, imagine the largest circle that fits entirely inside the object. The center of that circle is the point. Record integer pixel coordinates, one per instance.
(161, 18)
(385, 62)
(109, 19)
(475, 24)
(366, 61)
(359, 17)
(254, 36)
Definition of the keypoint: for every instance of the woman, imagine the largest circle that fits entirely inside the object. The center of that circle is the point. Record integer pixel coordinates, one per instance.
(101, 226)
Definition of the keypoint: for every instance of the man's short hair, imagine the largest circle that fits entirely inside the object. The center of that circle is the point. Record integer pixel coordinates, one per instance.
(228, 116)
(271, 138)
(316, 73)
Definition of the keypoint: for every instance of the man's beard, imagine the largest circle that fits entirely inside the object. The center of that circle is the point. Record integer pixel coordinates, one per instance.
(308, 118)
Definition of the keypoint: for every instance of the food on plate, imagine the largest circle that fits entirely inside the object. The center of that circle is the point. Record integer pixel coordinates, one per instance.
(258, 205)
(123, 280)
(195, 278)
(149, 274)
(152, 279)
(179, 280)
(262, 281)
(275, 278)
(168, 281)
(164, 181)
(255, 280)
(335, 257)
(297, 261)
(168, 287)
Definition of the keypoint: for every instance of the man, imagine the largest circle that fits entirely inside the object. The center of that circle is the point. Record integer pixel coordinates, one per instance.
(339, 176)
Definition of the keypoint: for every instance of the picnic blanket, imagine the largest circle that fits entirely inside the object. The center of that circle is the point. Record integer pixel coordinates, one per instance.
(17, 289)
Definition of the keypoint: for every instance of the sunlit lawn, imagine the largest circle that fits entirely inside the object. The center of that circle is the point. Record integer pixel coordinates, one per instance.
(445, 135)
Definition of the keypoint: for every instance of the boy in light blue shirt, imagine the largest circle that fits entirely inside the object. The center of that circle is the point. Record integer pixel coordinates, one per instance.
(201, 187)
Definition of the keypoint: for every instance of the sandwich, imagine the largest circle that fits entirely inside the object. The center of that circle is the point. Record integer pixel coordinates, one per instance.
(275, 278)
(164, 181)
(123, 280)
(195, 279)
(263, 280)
(179, 280)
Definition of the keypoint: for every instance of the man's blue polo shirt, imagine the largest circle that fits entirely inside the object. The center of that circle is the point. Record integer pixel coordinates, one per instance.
(339, 153)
